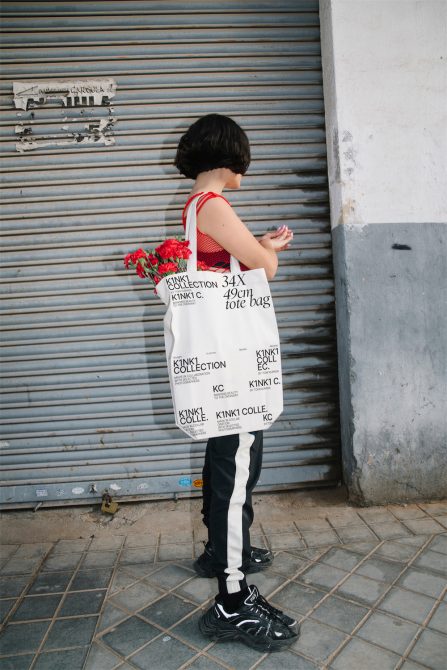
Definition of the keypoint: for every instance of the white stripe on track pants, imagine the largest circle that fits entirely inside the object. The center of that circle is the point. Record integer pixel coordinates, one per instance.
(231, 470)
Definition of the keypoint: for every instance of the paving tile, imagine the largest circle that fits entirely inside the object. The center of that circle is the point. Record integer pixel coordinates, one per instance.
(411, 665)
(439, 619)
(389, 632)
(377, 568)
(165, 652)
(121, 580)
(341, 558)
(407, 511)
(108, 543)
(433, 561)
(415, 541)
(6, 550)
(317, 539)
(277, 527)
(60, 562)
(324, 576)
(140, 540)
(362, 547)
(50, 582)
(20, 566)
(288, 564)
(424, 526)
(343, 518)
(173, 552)
(55, 660)
(110, 616)
(169, 576)
(422, 582)
(167, 611)
(176, 537)
(435, 507)
(13, 586)
(235, 655)
(389, 531)
(139, 555)
(91, 579)
(285, 541)
(430, 650)
(406, 604)
(297, 597)
(362, 589)
(317, 640)
(15, 638)
(139, 570)
(99, 559)
(198, 589)
(137, 596)
(5, 607)
(204, 663)
(100, 658)
(22, 662)
(188, 630)
(442, 520)
(266, 581)
(286, 660)
(375, 515)
(308, 554)
(83, 602)
(355, 534)
(340, 613)
(69, 546)
(130, 635)
(397, 551)
(359, 654)
(37, 607)
(439, 543)
(314, 525)
(74, 632)
(32, 550)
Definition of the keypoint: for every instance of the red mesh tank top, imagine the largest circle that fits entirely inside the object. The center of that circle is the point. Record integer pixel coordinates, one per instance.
(208, 250)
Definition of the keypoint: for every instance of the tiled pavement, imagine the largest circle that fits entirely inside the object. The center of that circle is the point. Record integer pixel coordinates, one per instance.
(369, 586)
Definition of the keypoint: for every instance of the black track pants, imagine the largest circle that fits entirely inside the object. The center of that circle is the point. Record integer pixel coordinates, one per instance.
(231, 470)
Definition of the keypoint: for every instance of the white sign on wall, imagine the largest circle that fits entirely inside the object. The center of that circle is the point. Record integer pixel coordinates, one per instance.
(86, 116)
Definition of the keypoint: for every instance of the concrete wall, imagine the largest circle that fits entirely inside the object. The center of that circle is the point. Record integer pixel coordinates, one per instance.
(384, 69)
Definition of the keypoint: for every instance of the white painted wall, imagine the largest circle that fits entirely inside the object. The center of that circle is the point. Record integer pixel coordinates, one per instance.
(384, 70)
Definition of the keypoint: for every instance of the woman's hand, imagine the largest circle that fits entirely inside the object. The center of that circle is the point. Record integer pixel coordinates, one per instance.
(278, 240)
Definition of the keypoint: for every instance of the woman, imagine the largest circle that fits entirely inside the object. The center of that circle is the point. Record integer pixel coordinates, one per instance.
(215, 152)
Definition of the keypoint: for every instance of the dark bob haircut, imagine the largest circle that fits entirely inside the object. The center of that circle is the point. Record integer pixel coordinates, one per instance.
(213, 141)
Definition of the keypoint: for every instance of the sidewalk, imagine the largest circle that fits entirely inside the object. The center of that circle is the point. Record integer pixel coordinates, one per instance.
(368, 585)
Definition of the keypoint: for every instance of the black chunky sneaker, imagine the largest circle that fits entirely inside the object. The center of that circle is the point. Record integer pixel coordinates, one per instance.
(252, 624)
(284, 618)
(260, 560)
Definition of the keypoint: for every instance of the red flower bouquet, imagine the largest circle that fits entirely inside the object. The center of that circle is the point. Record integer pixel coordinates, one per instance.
(168, 258)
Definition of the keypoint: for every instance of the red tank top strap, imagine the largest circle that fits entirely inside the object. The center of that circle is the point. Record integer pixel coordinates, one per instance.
(204, 197)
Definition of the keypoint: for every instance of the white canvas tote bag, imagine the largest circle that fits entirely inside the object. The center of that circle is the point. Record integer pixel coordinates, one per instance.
(222, 347)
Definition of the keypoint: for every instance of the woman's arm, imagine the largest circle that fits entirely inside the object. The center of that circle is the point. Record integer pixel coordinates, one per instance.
(218, 220)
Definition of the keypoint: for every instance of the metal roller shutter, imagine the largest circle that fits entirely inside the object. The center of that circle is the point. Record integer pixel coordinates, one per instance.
(86, 403)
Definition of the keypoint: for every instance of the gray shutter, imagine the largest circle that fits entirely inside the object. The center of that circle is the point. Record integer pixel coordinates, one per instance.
(86, 403)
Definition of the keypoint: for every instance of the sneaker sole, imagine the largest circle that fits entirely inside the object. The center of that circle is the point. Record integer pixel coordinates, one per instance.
(228, 632)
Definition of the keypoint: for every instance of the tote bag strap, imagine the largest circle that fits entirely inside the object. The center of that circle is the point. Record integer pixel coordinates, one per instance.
(191, 235)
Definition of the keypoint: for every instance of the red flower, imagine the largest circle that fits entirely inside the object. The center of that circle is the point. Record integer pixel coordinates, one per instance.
(201, 265)
(133, 257)
(173, 249)
(167, 268)
(140, 271)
